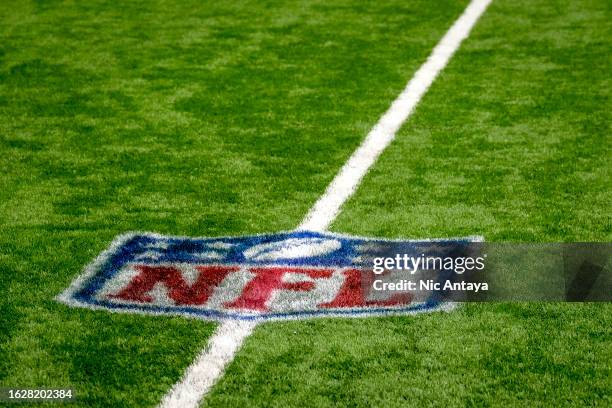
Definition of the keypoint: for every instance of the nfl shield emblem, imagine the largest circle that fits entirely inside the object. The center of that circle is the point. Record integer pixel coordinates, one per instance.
(288, 275)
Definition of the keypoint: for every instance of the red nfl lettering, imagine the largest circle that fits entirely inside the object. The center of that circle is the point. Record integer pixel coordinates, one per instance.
(178, 290)
(258, 291)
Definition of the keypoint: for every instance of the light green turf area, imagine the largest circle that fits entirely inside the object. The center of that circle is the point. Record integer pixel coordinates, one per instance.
(180, 117)
(512, 142)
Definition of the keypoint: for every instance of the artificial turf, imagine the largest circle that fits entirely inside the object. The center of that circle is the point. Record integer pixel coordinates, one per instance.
(185, 118)
(207, 119)
(512, 142)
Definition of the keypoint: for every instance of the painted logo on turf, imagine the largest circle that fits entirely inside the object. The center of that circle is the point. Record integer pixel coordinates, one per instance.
(276, 276)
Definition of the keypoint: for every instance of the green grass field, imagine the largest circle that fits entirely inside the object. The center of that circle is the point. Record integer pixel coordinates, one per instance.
(210, 119)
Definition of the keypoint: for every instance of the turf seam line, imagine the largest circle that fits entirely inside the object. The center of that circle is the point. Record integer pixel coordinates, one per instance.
(227, 339)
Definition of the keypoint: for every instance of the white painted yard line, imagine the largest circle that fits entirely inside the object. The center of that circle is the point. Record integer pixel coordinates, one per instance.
(382, 134)
(208, 365)
(226, 341)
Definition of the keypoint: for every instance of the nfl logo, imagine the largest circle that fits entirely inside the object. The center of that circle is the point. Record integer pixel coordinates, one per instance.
(288, 275)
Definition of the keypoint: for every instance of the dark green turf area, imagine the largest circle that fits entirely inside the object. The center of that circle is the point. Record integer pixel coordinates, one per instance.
(186, 118)
(512, 142)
